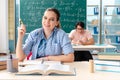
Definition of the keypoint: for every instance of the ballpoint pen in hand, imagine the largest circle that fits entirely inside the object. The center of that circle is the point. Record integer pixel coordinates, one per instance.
(21, 22)
(22, 26)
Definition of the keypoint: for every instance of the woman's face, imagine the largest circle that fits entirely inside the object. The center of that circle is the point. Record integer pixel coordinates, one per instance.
(79, 29)
(49, 20)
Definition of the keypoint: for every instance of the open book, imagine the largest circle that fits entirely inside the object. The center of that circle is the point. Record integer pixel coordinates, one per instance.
(44, 67)
(36, 62)
(47, 69)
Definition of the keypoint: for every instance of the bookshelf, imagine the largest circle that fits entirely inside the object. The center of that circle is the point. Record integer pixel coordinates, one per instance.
(111, 19)
(93, 18)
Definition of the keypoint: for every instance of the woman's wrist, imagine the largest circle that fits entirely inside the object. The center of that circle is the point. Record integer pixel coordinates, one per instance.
(47, 57)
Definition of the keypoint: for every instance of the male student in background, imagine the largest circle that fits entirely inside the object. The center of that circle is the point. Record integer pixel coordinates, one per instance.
(80, 36)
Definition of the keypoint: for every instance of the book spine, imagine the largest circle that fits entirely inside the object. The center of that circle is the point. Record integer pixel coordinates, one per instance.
(107, 68)
(96, 11)
(2, 67)
(107, 62)
(109, 57)
(2, 62)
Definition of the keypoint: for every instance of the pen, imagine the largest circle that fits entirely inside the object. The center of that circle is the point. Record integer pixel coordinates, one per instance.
(21, 22)
(42, 61)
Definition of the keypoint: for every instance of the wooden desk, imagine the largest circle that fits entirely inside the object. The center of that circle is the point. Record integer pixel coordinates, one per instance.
(92, 47)
(82, 73)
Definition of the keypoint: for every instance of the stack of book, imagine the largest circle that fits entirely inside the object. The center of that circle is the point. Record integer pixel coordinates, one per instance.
(3, 61)
(109, 56)
(109, 62)
(3, 64)
(45, 68)
(107, 65)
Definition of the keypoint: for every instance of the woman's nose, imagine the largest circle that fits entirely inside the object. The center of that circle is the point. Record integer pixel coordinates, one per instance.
(47, 21)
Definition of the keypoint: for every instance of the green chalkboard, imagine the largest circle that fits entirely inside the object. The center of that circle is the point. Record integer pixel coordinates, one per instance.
(72, 11)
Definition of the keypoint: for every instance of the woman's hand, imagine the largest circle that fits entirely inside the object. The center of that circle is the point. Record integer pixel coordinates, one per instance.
(81, 42)
(21, 31)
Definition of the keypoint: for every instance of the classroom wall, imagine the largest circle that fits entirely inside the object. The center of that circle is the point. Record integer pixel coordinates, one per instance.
(4, 26)
(11, 25)
(11, 19)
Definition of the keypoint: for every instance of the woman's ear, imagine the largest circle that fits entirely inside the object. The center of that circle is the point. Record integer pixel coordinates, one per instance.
(57, 23)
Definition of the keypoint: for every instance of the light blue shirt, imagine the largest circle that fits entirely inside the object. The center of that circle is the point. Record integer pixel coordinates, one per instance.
(58, 43)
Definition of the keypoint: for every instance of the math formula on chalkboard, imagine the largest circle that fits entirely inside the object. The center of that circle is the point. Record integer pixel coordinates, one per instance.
(72, 11)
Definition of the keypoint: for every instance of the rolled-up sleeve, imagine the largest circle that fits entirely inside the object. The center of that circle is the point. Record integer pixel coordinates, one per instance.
(28, 44)
(66, 44)
(71, 34)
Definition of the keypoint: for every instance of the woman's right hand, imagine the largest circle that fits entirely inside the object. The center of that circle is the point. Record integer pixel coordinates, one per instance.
(21, 31)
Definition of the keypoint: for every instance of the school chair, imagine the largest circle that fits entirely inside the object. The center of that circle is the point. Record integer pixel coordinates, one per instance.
(82, 56)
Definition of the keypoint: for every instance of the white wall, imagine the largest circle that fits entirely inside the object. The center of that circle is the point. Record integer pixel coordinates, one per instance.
(4, 26)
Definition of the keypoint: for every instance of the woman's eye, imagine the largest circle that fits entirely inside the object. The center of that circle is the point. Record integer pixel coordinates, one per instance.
(45, 17)
(51, 19)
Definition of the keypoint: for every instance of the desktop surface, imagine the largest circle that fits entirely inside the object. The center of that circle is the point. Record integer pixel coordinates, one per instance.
(82, 73)
(92, 47)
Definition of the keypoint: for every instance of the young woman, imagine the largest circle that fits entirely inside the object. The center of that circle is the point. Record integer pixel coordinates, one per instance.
(48, 42)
